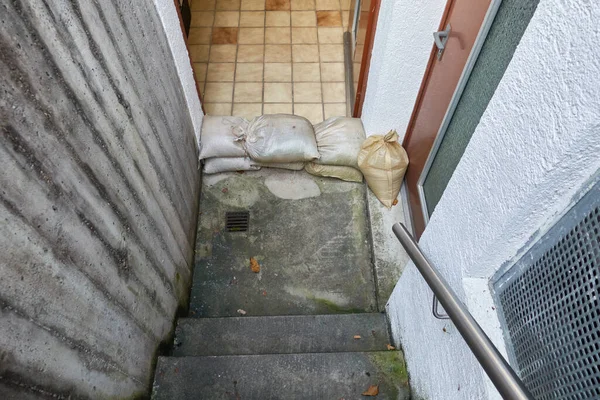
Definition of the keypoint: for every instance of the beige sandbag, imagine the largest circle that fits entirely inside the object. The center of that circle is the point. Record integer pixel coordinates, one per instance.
(339, 140)
(221, 137)
(334, 171)
(383, 162)
(229, 164)
(293, 166)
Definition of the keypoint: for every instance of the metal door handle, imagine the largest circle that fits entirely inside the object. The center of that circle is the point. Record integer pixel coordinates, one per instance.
(440, 39)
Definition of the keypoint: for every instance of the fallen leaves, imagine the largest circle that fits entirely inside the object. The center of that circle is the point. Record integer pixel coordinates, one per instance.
(373, 390)
(254, 265)
(241, 312)
(357, 337)
(390, 347)
(395, 202)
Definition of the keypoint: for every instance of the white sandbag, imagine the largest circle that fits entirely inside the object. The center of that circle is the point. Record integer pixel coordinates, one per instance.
(383, 162)
(296, 166)
(221, 136)
(229, 164)
(281, 138)
(334, 171)
(339, 140)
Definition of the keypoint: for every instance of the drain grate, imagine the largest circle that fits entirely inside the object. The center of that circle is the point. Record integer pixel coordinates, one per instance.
(237, 221)
(550, 306)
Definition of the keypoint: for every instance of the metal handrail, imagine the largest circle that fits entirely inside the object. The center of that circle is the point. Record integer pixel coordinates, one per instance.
(497, 368)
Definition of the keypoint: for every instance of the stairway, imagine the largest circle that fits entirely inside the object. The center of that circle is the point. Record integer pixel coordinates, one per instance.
(305, 326)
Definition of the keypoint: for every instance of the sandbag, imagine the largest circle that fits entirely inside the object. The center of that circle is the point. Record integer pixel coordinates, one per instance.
(339, 140)
(296, 166)
(280, 138)
(222, 136)
(229, 164)
(383, 162)
(334, 171)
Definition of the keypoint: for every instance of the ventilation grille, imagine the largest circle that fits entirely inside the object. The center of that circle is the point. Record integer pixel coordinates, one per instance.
(237, 221)
(550, 307)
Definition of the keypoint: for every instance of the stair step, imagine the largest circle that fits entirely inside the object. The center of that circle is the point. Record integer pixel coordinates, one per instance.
(282, 376)
(281, 334)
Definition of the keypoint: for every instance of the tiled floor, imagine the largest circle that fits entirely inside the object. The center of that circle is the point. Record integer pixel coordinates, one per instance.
(254, 57)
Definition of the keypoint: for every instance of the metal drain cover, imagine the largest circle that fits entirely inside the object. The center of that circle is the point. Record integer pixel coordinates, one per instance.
(237, 221)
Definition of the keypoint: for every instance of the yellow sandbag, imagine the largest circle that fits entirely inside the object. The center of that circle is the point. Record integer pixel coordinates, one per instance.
(383, 162)
(334, 171)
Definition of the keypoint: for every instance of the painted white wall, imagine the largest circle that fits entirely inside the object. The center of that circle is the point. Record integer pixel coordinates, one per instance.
(403, 42)
(172, 26)
(537, 146)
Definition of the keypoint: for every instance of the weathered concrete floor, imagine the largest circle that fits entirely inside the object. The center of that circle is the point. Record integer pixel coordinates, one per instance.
(309, 234)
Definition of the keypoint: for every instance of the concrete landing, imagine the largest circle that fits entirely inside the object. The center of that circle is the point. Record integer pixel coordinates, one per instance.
(309, 234)
(281, 335)
(282, 376)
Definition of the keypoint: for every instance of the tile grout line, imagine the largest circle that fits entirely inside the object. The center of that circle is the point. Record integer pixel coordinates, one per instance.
(292, 63)
(262, 105)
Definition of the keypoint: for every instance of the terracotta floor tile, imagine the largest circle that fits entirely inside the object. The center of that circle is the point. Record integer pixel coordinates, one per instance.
(202, 5)
(218, 92)
(200, 71)
(277, 108)
(247, 110)
(329, 18)
(278, 18)
(278, 53)
(224, 35)
(252, 53)
(227, 18)
(298, 5)
(217, 108)
(199, 52)
(253, 5)
(251, 36)
(304, 18)
(334, 92)
(249, 72)
(345, 4)
(305, 53)
(312, 112)
(333, 72)
(252, 18)
(248, 92)
(335, 110)
(202, 18)
(220, 72)
(228, 5)
(277, 5)
(278, 36)
(278, 92)
(278, 72)
(332, 52)
(327, 4)
(306, 72)
(223, 53)
(331, 35)
(345, 18)
(307, 92)
(304, 35)
(199, 35)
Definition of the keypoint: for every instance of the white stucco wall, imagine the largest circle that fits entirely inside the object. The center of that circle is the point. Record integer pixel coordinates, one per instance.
(172, 26)
(403, 42)
(536, 147)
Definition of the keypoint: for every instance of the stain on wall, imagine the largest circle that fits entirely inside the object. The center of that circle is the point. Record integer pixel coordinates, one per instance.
(98, 201)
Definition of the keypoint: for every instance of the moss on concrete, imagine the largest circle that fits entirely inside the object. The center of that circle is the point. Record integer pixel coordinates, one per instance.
(335, 308)
(392, 366)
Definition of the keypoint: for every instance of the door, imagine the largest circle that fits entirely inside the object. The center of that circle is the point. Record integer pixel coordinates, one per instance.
(457, 34)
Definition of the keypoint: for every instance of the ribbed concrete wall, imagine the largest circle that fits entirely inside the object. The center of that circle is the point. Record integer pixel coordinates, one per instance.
(99, 187)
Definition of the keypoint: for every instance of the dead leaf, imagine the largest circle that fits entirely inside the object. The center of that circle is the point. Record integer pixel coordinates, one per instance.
(373, 390)
(224, 190)
(395, 202)
(357, 337)
(242, 312)
(254, 265)
(264, 292)
(390, 347)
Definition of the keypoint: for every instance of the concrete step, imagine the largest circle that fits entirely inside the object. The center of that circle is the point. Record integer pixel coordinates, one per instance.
(281, 334)
(282, 376)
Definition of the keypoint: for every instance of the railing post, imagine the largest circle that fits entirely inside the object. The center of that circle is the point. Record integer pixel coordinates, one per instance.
(497, 368)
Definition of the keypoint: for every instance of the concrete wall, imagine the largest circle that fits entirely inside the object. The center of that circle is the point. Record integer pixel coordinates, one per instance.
(403, 42)
(535, 148)
(99, 176)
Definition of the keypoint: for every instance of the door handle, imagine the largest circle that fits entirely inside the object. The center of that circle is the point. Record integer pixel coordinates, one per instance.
(440, 38)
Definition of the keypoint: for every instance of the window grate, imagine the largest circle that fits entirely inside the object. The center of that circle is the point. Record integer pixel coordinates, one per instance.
(237, 221)
(549, 303)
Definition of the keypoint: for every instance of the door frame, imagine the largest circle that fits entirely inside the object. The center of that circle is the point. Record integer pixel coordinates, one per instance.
(460, 87)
